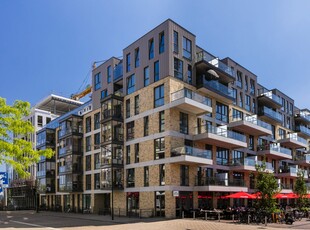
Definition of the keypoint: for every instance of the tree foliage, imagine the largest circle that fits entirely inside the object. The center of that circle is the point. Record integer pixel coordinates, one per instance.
(267, 185)
(15, 150)
(300, 189)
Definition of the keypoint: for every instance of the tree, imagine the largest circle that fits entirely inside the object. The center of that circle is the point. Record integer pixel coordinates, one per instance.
(267, 185)
(15, 150)
(300, 189)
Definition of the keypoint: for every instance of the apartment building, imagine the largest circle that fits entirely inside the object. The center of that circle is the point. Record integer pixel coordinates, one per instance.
(174, 127)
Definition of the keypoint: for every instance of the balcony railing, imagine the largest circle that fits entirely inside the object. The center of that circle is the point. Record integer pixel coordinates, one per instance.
(252, 162)
(269, 112)
(289, 169)
(204, 56)
(206, 181)
(69, 149)
(303, 129)
(191, 95)
(107, 184)
(191, 151)
(295, 137)
(252, 119)
(305, 157)
(218, 87)
(221, 132)
(275, 148)
(304, 115)
(118, 71)
(269, 94)
(112, 113)
(74, 129)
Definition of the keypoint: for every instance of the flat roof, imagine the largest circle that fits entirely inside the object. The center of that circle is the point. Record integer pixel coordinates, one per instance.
(57, 104)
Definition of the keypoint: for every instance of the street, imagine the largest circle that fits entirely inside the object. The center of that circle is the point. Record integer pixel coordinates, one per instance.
(69, 221)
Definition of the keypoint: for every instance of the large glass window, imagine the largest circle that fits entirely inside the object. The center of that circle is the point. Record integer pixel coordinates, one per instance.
(128, 62)
(184, 175)
(88, 163)
(178, 68)
(246, 84)
(88, 182)
(151, 49)
(281, 133)
(109, 74)
(88, 124)
(183, 123)
(234, 95)
(221, 112)
(130, 178)
(127, 108)
(247, 102)
(241, 99)
(130, 130)
(252, 86)
(187, 48)
(189, 74)
(128, 154)
(159, 98)
(175, 42)
(88, 143)
(161, 42)
(162, 174)
(159, 148)
(97, 141)
(161, 121)
(146, 76)
(97, 181)
(222, 156)
(97, 81)
(137, 57)
(156, 71)
(239, 79)
(251, 142)
(131, 82)
(146, 125)
(104, 93)
(137, 106)
(97, 161)
(137, 149)
(146, 176)
(97, 121)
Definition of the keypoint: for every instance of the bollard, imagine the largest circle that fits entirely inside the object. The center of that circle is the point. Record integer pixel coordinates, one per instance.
(233, 218)
(265, 220)
(182, 214)
(194, 215)
(206, 216)
(219, 216)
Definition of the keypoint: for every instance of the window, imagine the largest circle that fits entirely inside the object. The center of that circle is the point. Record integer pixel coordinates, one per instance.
(234, 95)
(161, 121)
(48, 120)
(237, 115)
(239, 79)
(97, 121)
(128, 63)
(88, 182)
(159, 148)
(291, 109)
(240, 99)
(131, 82)
(221, 112)
(88, 124)
(127, 108)
(128, 154)
(97, 141)
(246, 83)
(281, 133)
(175, 42)
(104, 93)
(222, 156)
(88, 163)
(187, 48)
(253, 106)
(97, 161)
(183, 123)
(162, 174)
(97, 80)
(137, 57)
(130, 178)
(146, 176)
(288, 122)
(184, 175)
(159, 98)
(130, 130)
(237, 157)
(151, 49)
(146, 76)
(156, 71)
(137, 153)
(251, 142)
(189, 74)
(178, 68)
(283, 104)
(137, 107)
(40, 121)
(146, 125)
(97, 181)
(247, 102)
(109, 74)
(161, 42)
(88, 143)
(252, 86)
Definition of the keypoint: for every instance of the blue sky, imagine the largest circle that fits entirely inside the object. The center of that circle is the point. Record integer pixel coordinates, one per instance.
(49, 46)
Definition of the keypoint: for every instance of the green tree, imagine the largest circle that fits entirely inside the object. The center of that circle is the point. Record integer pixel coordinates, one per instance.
(14, 149)
(300, 189)
(267, 185)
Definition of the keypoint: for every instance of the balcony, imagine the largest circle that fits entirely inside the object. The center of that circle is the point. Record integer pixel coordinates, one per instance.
(303, 116)
(292, 140)
(249, 164)
(190, 155)
(118, 71)
(78, 130)
(191, 102)
(303, 160)
(275, 152)
(267, 98)
(71, 187)
(107, 163)
(270, 115)
(221, 185)
(220, 136)
(303, 131)
(205, 61)
(70, 149)
(288, 171)
(216, 89)
(251, 125)
(107, 185)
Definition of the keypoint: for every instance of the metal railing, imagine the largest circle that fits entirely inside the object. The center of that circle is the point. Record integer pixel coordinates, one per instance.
(191, 95)
(273, 114)
(248, 161)
(295, 137)
(218, 87)
(251, 119)
(204, 56)
(118, 71)
(191, 151)
(305, 157)
(74, 129)
(269, 94)
(275, 148)
(206, 181)
(303, 129)
(220, 132)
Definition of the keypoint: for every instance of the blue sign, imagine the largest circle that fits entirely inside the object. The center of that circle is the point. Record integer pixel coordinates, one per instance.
(4, 178)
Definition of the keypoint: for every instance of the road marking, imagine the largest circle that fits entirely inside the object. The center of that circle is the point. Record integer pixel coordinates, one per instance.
(34, 225)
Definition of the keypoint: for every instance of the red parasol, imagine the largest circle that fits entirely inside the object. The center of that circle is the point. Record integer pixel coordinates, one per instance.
(241, 195)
